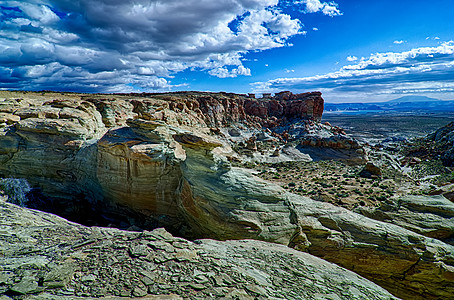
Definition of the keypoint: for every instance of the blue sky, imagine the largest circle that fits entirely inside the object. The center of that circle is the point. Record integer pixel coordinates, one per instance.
(352, 51)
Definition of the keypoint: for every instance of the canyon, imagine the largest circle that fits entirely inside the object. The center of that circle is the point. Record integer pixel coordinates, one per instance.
(187, 162)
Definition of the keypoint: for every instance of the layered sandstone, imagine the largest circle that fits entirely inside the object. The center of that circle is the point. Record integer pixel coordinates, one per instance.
(166, 158)
(219, 110)
(431, 216)
(230, 203)
(139, 167)
(51, 143)
(286, 106)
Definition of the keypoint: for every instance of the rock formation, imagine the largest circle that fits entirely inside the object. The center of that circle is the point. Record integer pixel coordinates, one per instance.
(443, 140)
(139, 167)
(286, 106)
(51, 144)
(438, 145)
(229, 203)
(61, 144)
(46, 257)
(167, 159)
(432, 216)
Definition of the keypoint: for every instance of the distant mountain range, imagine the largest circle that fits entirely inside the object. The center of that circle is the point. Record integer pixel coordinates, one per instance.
(402, 104)
(413, 99)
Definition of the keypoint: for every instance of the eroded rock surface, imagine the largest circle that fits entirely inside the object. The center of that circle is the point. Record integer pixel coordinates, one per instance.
(169, 158)
(51, 144)
(226, 202)
(46, 257)
(139, 167)
(116, 148)
(437, 145)
(432, 216)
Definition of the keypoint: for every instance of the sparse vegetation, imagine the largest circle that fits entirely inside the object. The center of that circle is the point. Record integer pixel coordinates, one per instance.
(16, 190)
(334, 182)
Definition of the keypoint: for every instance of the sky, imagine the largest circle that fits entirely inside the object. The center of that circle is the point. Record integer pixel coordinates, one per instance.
(351, 51)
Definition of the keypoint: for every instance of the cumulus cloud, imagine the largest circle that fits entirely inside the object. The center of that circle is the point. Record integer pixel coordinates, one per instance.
(39, 13)
(136, 43)
(399, 42)
(419, 70)
(328, 8)
(352, 58)
(223, 72)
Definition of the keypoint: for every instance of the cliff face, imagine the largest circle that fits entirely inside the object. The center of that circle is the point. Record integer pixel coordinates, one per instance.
(222, 109)
(49, 144)
(286, 106)
(106, 148)
(167, 158)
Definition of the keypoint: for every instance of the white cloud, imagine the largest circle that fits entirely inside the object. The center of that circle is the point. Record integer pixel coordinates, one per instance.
(224, 72)
(315, 29)
(243, 71)
(331, 10)
(140, 38)
(436, 38)
(352, 58)
(313, 5)
(410, 57)
(420, 70)
(285, 25)
(328, 8)
(40, 13)
(398, 42)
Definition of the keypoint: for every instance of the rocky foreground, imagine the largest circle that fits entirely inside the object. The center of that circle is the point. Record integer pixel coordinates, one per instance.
(46, 257)
(177, 160)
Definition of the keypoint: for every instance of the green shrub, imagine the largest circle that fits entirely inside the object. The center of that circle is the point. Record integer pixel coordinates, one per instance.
(16, 190)
(381, 198)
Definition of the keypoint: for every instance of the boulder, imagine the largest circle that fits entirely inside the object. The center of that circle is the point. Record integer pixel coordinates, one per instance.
(446, 190)
(8, 119)
(370, 170)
